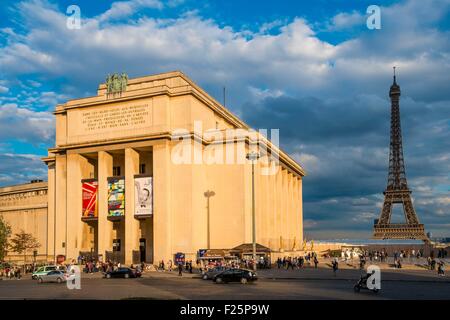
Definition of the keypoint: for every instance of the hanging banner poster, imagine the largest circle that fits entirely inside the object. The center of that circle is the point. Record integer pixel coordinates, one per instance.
(143, 196)
(89, 196)
(116, 197)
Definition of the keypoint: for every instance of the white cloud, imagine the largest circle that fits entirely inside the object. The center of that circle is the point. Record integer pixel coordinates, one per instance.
(259, 94)
(26, 125)
(293, 61)
(345, 20)
(310, 162)
(308, 223)
(31, 167)
(121, 9)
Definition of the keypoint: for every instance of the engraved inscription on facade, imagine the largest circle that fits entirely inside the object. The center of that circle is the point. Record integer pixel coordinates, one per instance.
(115, 118)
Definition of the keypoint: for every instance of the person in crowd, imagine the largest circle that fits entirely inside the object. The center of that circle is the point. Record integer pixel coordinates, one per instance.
(335, 265)
(301, 262)
(180, 269)
(433, 264)
(279, 262)
(362, 262)
(441, 265)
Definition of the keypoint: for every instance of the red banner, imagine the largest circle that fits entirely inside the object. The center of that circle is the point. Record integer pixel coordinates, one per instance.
(90, 199)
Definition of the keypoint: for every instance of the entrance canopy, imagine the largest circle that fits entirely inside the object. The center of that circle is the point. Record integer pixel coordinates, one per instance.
(247, 248)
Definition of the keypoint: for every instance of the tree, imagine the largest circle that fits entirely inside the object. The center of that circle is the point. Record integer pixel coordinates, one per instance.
(5, 232)
(22, 242)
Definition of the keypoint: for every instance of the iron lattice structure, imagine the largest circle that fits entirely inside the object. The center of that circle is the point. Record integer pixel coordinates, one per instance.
(397, 188)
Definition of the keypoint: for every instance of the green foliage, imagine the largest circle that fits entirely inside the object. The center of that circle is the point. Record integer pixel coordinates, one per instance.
(5, 232)
(22, 242)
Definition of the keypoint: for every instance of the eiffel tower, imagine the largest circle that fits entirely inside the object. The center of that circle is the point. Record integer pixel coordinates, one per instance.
(397, 189)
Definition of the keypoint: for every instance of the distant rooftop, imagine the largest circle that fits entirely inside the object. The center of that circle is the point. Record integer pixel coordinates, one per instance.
(371, 241)
(33, 184)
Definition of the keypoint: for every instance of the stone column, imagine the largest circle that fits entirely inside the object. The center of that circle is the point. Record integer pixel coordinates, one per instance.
(105, 166)
(299, 200)
(60, 200)
(278, 201)
(74, 205)
(51, 211)
(297, 222)
(247, 204)
(271, 210)
(290, 212)
(131, 224)
(162, 230)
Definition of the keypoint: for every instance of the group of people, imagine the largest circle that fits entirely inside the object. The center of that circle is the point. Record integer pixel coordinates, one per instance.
(187, 266)
(432, 263)
(298, 262)
(91, 266)
(11, 273)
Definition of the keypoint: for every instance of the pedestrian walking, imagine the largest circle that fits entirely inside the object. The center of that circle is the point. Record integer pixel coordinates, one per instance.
(441, 271)
(335, 266)
(180, 269)
(316, 261)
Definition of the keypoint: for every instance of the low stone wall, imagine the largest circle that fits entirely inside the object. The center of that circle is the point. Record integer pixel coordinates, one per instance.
(19, 260)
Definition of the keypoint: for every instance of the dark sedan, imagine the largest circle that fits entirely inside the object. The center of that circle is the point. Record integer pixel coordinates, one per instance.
(123, 273)
(211, 273)
(236, 275)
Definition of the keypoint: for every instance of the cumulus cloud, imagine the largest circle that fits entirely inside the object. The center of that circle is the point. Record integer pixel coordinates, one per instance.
(31, 167)
(25, 125)
(345, 20)
(122, 9)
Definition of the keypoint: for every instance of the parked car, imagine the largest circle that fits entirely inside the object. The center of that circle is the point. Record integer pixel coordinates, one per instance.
(123, 273)
(236, 275)
(53, 276)
(42, 271)
(211, 273)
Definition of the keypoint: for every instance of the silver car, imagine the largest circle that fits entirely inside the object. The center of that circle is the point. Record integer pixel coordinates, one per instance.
(53, 276)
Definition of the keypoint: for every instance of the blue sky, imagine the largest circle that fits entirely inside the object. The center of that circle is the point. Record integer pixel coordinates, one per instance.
(310, 68)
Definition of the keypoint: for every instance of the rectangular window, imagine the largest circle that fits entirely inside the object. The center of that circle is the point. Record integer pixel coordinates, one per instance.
(116, 171)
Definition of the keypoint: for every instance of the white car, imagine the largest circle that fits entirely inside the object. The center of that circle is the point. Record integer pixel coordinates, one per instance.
(53, 276)
(42, 271)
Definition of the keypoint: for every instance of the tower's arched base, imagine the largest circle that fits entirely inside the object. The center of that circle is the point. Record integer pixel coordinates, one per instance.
(400, 231)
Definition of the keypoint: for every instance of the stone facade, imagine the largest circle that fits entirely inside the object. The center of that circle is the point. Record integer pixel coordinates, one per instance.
(24, 207)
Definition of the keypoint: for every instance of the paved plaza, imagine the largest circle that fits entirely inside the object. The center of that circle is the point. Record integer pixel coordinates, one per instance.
(307, 283)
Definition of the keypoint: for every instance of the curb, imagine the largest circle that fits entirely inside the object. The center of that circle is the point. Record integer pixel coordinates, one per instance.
(354, 279)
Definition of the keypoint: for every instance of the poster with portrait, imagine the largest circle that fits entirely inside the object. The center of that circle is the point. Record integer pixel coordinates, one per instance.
(89, 199)
(116, 197)
(143, 195)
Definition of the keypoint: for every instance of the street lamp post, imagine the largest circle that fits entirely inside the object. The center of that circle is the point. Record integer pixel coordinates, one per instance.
(208, 194)
(253, 156)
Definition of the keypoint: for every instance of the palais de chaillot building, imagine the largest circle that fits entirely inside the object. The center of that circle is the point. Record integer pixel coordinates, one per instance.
(152, 167)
